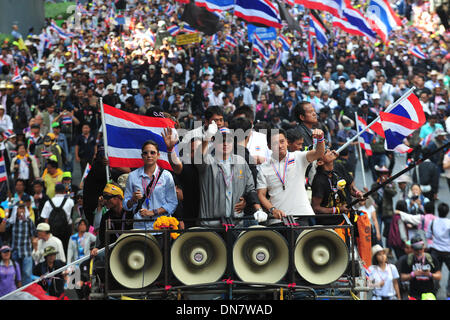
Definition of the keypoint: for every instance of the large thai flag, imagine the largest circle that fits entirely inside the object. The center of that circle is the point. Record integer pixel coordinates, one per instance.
(126, 133)
(406, 117)
(417, 52)
(357, 20)
(383, 18)
(346, 26)
(319, 31)
(258, 12)
(3, 174)
(332, 6)
(366, 137)
(215, 5)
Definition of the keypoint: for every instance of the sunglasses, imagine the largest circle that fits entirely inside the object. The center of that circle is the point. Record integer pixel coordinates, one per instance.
(108, 196)
(144, 153)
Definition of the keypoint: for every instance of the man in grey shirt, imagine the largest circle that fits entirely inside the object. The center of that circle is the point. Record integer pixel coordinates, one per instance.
(225, 179)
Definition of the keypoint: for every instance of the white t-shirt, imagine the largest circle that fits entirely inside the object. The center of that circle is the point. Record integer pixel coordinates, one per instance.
(293, 200)
(388, 275)
(57, 201)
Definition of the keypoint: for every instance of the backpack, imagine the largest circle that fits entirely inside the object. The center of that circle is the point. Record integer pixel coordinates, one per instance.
(428, 258)
(394, 239)
(57, 218)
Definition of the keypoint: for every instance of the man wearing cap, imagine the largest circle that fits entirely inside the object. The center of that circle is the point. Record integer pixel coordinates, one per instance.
(225, 179)
(421, 269)
(49, 148)
(71, 189)
(11, 278)
(115, 218)
(54, 286)
(45, 239)
(61, 141)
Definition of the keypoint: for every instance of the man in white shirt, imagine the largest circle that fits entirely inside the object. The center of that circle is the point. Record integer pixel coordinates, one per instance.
(45, 239)
(282, 177)
(216, 97)
(326, 84)
(352, 82)
(245, 93)
(57, 200)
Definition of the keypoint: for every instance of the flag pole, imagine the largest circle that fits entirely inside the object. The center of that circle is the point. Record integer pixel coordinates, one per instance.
(360, 153)
(388, 109)
(105, 140)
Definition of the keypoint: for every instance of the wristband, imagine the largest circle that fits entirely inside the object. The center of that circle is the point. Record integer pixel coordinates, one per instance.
(338, 210)
(334, 210)
(412, 274)
(321, 140)
(170, 151)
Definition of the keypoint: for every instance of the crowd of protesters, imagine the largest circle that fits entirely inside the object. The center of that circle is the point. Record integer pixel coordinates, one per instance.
(50, 118)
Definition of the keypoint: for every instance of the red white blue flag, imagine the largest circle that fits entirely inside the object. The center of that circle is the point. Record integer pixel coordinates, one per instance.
(406, 117)
(126, 133)
(366, 137)
(258, 12)
(3, 175)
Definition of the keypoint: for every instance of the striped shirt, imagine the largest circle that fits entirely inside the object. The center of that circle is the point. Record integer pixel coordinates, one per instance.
(22, 231)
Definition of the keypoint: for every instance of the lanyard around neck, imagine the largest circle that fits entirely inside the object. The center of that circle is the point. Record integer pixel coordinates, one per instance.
(282, 180)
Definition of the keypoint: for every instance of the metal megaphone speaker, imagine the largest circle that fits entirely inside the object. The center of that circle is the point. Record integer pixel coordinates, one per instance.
(320, 256)
(260, 255)
(136, 260)
(198, 257)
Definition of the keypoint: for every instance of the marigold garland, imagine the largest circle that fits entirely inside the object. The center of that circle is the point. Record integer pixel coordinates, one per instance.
(165, 222)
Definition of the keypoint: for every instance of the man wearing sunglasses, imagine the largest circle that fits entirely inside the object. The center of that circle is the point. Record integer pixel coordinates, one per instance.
(150, 190)
(115, 218)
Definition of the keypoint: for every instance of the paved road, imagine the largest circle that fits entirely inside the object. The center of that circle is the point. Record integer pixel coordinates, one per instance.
(444, 193)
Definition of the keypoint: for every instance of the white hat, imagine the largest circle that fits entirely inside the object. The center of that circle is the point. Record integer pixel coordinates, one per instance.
(43, 227)
(340, 67)
(375, 96)
(375, 64)
(135, 84)
(124, 82)
(364, 80)
(45, 83)
(110, 87)
(376, 248)
(363, 102)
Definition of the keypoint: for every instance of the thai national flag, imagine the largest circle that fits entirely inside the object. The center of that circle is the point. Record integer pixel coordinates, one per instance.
(188, 29)
(406, 117)
(45, 153)
(285, 42)
(359, 22)
(427, 140)
(216, 5)
(2, 63)
(173, 30)
(258, 12)
(346, 26)
(366, 137)
(3, 175)
(382, 18)
(319, 30)
(260, 48)
(66, 120)
(127, 132)
(75, 51)
(170, 10)
(417, 52)
(332, 6)
(8, 134)
(260, 66)
(86, 171)
(17, 77)
(60, 31)
(230, 41)
(311, 47)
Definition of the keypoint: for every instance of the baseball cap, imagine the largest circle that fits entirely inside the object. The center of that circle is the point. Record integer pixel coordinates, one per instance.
(417, 243)
(5, 248)
(114, 190)
(43, 227)
(67, 174)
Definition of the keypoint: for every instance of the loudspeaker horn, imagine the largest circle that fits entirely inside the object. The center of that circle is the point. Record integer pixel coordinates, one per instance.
(260, 256)
(136, 260)
(320, 256)
(198, 257)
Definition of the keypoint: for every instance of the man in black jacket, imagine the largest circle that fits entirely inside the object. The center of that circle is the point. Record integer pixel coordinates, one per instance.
(305, 114)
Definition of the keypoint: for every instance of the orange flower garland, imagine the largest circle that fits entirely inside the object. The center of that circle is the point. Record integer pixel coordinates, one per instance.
(165, 222)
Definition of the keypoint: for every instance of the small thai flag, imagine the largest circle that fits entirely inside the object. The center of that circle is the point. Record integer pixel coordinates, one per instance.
(17, 77)
(230, 41)
(285, 42)
(8, 134)
(3, 175)
(86, 171)
(169, 10)
(418, 53)
(46, 153)
(67, 120)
